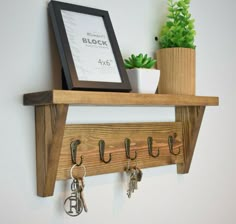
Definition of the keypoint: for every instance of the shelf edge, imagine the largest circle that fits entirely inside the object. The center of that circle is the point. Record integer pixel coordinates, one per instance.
(116, 99)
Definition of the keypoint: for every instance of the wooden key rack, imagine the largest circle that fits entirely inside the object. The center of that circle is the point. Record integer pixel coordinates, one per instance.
(173, 142)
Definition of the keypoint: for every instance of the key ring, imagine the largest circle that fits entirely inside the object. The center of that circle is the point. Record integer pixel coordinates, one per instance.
(71, 171)
(128, 164)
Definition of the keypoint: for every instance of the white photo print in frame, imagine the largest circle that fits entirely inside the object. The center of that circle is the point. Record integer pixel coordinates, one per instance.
(90, 47)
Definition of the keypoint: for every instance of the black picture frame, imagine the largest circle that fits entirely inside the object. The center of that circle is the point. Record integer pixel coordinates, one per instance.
(59, 12)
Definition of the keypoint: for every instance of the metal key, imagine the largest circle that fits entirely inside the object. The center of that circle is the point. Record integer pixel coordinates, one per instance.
(132, 182)
(130, 189)
(73, 204)
(82, 194)
(130, 185)
(139, 174)
(135, 180)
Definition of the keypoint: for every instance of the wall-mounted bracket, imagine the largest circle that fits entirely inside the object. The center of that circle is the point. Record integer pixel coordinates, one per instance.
(50, 124)
(191, 118)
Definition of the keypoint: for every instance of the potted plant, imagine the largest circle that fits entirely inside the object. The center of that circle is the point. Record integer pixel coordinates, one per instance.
(176, 58)
(143, 78)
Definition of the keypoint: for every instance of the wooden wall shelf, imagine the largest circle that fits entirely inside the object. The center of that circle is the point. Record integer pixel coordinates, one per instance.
(113, 99)
(54, 136)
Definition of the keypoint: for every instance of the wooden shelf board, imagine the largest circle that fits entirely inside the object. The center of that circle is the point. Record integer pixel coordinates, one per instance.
(116, 99)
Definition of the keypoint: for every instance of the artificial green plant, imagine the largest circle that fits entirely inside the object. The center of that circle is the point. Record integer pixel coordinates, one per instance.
(179, 30)
(139, 61)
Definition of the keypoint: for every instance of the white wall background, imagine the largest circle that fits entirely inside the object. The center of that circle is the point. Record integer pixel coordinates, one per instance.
(29, 61)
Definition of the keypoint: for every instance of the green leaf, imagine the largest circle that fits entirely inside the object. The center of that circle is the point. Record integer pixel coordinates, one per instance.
(133, 57)
(150, 64)
(169, 24)
(186, 1)
(129, 62)
(127, 65)
(145, 59)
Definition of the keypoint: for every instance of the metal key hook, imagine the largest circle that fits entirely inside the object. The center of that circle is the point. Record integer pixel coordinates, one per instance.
(171, 140)
(73, 148)
(127, 149)
(150, 152)
(101, 144)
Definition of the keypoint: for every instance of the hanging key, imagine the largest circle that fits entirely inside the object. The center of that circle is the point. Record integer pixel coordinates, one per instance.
(134, 179)
(132, 182)
(139, 174)
(130, 185)
(82, 194)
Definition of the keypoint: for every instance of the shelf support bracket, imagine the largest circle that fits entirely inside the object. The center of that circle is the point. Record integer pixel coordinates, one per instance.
(50, 123)
(191, 118)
